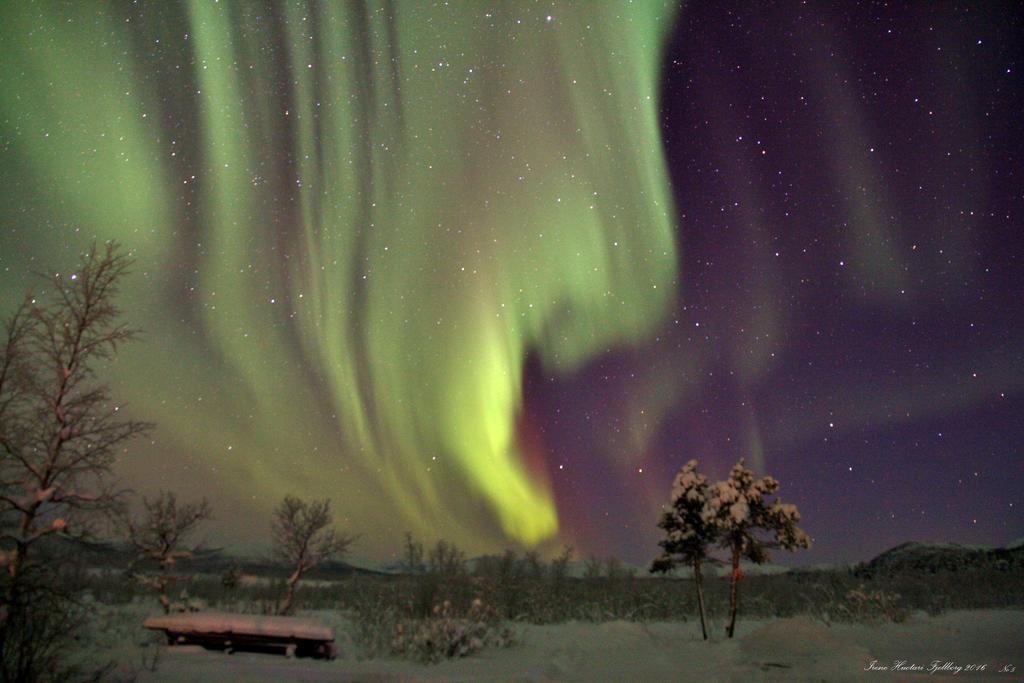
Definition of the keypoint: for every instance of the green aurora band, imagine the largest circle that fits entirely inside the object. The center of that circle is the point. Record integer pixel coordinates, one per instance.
(352, 224)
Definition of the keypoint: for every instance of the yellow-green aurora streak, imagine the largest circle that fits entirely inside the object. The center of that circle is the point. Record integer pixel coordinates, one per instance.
(352, 222)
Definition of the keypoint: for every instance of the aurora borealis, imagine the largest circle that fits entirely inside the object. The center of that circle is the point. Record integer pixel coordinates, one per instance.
(493, 272)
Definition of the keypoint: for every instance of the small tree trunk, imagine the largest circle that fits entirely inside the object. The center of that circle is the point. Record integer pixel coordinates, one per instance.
(11, 594)
(14, 571)
(699, 580)
(289, 596)
(733, 590)
(161, 589)
(17, 565)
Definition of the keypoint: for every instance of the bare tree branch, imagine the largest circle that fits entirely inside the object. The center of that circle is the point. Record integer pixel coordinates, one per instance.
(59, 434)
(162, 535)
(303, 538)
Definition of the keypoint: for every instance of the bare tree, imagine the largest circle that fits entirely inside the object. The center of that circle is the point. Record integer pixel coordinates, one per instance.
(592, 567)
(413, 555)
(60, 431)
(303, 537)
(162, 535)
(445, 559)
(559, 570)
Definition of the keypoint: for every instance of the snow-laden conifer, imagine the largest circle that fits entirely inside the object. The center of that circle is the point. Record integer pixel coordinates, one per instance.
(747, 525)
(689, 532)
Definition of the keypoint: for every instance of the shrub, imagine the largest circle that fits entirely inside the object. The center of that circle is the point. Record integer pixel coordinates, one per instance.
(374, 628)
(444, 635)
(870, 606)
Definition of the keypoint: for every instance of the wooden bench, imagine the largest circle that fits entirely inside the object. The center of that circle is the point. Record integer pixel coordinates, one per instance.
(291, 636)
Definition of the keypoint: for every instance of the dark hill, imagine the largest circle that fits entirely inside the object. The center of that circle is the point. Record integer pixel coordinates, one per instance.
(933, 558)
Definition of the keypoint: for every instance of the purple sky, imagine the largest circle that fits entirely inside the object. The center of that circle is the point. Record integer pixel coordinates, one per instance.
(851, 198)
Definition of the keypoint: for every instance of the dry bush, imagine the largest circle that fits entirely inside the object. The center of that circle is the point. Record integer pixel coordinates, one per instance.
(374, 628)
(866, 605)
(36, 639)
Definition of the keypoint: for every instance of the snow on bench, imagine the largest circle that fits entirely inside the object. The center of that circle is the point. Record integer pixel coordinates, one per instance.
(247, 631)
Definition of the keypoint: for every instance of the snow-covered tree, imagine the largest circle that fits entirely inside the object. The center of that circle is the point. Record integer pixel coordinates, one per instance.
(60, 431)
(303, 537)
(747, 525)
(162, 535)
(689, 534)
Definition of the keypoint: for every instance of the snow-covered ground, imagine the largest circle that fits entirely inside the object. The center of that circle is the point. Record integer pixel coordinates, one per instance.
(795, 649)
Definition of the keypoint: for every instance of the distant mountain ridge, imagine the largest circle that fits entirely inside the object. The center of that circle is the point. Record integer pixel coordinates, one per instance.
(118, 557)
(932, 558)
(912, 557)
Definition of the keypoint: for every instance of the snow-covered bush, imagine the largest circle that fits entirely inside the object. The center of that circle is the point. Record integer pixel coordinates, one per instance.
(445, 635)
(186, 604)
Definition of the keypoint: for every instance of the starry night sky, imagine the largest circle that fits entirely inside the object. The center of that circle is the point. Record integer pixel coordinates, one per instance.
(494, 272)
